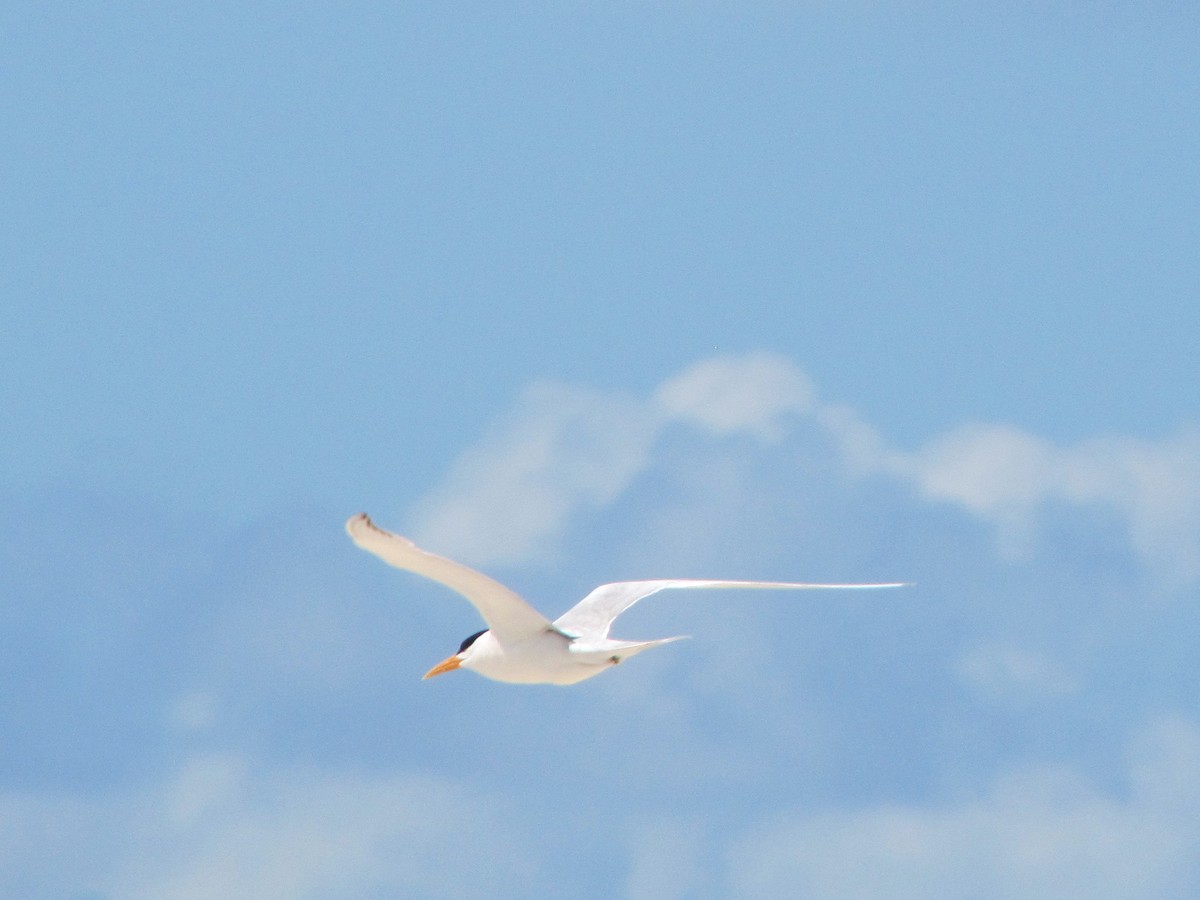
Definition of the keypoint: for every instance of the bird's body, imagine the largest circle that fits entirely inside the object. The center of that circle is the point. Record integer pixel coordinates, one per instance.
(549, 657)
(520, 645)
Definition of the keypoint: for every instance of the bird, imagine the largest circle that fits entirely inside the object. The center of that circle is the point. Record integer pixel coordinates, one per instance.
(519, 644)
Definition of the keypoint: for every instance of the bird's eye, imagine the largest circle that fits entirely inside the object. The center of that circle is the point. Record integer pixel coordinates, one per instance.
(469, 641)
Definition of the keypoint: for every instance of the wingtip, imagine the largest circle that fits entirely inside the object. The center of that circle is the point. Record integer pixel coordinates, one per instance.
(364, 531)
(356, 522)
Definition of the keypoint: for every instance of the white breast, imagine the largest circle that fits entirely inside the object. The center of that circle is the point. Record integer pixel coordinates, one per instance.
(543, 659)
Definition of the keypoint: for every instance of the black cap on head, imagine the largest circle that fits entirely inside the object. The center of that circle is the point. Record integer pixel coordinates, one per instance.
(469, 641)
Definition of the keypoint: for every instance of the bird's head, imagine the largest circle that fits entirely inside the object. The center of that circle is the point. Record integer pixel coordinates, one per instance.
(454, 662)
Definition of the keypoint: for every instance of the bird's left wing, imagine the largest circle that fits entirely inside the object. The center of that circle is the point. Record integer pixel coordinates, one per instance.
(507, 615)
(594, 614)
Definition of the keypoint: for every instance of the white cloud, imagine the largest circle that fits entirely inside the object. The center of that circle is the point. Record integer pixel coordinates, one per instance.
(223, 830)
(51, 845)
(861, 446)
(1016, 674)
(1165, 771)
(997, 472)
(194, 711)
(566, 450)
(221, 827)
(753, 394)
(1040, 833)
(1157, 487)
(1007, 476)
(507, 500)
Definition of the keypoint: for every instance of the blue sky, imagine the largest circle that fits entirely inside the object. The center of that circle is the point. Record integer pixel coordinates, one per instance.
(580, 293)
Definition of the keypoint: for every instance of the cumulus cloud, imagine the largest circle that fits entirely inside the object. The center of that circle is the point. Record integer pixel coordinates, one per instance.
(998, 473)
(753, 394)
(1042, 832)
(195, 711)
(731, 468)
(1007, 477)
(1015, 674)
(1157, 487)
(567, 451)
(221, 826)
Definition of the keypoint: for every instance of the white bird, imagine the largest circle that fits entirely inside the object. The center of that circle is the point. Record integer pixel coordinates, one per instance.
(522, 646)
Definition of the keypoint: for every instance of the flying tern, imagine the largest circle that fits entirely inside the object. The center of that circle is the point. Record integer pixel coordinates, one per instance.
(520, 645)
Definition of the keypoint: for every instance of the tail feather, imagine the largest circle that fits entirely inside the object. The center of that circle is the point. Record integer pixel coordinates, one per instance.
(609, 651)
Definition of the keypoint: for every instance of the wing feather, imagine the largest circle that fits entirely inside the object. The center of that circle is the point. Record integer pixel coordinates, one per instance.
(507, 615)
(594, 614)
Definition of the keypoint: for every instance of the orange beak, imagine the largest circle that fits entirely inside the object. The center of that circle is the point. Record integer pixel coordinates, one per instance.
(446, 665)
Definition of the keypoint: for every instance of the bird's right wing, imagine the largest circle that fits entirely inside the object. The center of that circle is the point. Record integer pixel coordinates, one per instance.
(594, 614)
(507, 615)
